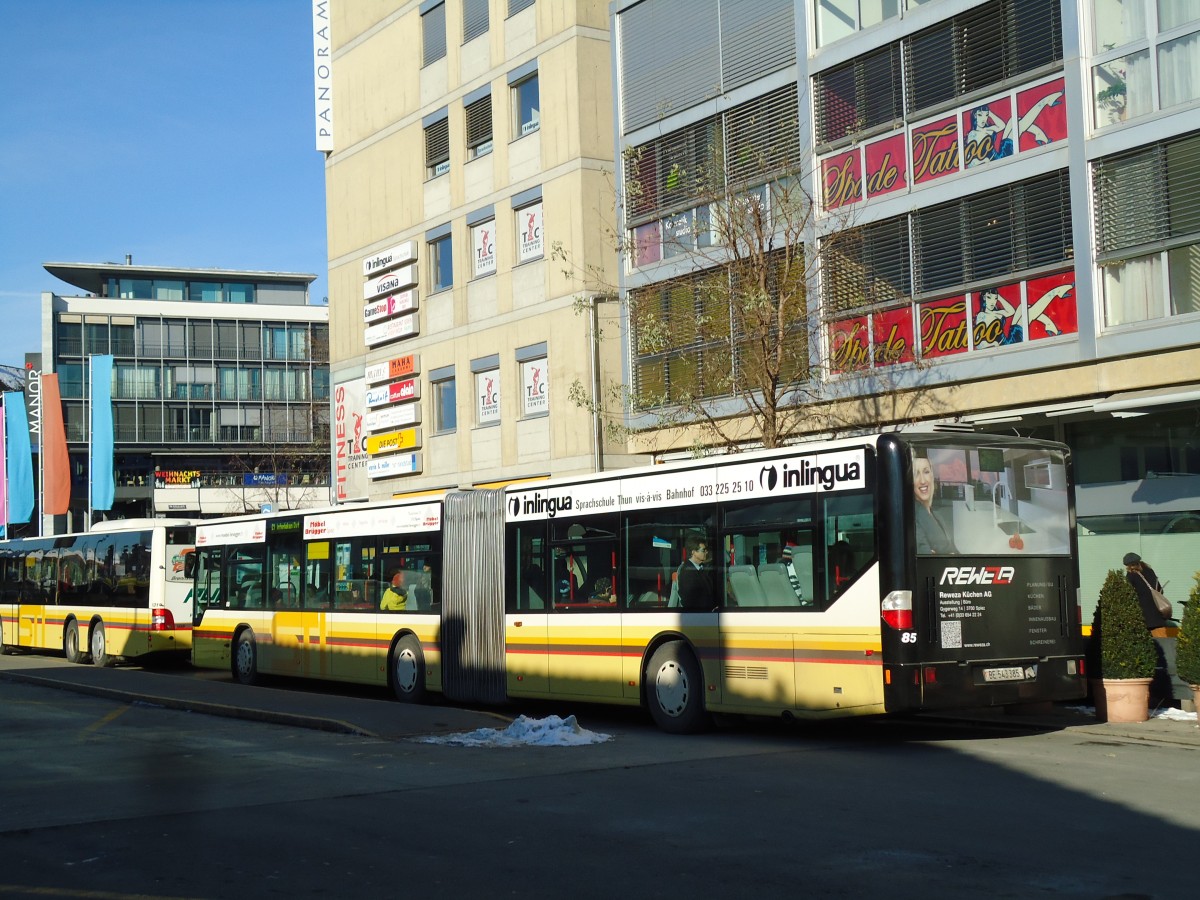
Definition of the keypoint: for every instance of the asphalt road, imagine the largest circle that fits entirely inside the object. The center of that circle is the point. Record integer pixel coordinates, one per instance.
(112, 797)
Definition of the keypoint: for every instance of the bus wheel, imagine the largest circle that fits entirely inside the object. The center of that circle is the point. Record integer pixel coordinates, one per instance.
(245, 658)
(675, 689)
(408, 670)
(99, 647)
(71, 642)
(4, 648)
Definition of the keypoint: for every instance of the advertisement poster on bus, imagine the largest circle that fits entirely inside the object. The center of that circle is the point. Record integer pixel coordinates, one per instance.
(803, 473)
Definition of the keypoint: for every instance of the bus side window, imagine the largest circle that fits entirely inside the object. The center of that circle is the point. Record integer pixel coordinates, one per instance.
(849, 541)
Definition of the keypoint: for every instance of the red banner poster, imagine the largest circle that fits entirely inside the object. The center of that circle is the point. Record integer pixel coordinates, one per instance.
(943, 326)
(893, 336)
(841, 179)
(998, 317)
(1051, 304)
(988, 131)
(849, 345)
(1043, 115)
(935, 150)
(887, 165)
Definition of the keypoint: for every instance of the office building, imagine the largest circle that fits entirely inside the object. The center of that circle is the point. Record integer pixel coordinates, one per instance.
(1006, 229)
(220, 388)
(469, 187)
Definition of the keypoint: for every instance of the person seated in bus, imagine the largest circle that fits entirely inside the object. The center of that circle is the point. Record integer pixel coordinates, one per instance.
(934, 536)
(421, 594)
(314, 596)
(695, 575)
(396, 595)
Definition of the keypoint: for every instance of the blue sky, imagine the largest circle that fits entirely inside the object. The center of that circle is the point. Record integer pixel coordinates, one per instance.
(178, 131)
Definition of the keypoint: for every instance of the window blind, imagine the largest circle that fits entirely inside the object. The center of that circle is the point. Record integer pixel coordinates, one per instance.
(475, 18)
(757, 37)
(437, 143)
(433, 34)
(762, 137)
(479, 121)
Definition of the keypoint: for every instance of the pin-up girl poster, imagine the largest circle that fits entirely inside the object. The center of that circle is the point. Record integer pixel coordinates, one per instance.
(992, 129)
(1000, 319)
(997, 320)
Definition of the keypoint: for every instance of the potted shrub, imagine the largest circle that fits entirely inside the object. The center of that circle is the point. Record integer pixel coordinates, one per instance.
(1187, 645)
(1127, 652)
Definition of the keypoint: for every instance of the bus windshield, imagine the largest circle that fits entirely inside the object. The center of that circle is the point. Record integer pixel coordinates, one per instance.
(993, 500)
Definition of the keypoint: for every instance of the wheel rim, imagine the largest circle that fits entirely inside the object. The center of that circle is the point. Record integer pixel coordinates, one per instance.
(98, 641)
(245, 659)
(72, 643)
(405, 670)
(671, 689)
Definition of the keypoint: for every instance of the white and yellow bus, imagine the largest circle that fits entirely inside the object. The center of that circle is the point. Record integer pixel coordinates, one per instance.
(892, 573)
(120, 591)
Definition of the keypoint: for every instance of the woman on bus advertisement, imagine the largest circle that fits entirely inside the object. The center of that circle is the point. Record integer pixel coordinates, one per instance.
(934, 535)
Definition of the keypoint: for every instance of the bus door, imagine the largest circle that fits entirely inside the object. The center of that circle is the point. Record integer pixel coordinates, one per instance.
(526, 625)
(291, 627)
(37, 592)
(584, 638)
(349, 642)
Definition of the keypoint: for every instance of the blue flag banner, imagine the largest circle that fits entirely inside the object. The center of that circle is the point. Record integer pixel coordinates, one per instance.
(18, 458)
(101, 466)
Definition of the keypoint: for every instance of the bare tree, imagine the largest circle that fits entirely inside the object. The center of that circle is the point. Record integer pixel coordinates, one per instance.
(733, 351)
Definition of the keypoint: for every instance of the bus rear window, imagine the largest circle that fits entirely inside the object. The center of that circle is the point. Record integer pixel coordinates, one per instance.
(990, 500)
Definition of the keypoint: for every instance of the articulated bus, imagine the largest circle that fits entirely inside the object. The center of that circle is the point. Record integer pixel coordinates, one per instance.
(121, 591)
(898, 572)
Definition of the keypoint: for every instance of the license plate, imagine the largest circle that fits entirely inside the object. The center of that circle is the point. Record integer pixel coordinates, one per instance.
(1005, 673)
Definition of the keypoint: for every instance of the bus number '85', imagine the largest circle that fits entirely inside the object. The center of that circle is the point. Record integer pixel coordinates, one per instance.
(909, 637)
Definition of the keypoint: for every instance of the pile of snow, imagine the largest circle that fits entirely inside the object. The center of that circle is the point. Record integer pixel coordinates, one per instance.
(1167, 713)
(551, 731)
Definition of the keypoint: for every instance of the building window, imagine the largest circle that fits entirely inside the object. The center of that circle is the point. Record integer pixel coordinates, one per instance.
(433, 33)
(441, 264)
(478, 115)
(515, 6)
(445, 400)
(1133, 56)
(535, 380)
(838, 18)
(1147, 210)
(487, 391)
(483, 248)
(437, 147)
(529, 232)
(526, 105)
(475, 19)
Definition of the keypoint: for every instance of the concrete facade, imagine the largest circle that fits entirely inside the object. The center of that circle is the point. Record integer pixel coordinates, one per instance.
(415, 164)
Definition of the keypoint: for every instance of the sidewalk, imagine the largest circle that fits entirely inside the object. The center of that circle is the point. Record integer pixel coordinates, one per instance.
(370, 714)
(374, 714)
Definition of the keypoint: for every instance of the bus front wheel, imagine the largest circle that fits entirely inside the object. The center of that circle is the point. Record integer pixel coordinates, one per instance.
(4, 648)
(245, 658)
(675, 689)
(99, 647)
(71, 642)
(408, 670)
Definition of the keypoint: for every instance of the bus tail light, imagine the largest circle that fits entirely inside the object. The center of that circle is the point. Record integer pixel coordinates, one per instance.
(897, 610)
(161, 619)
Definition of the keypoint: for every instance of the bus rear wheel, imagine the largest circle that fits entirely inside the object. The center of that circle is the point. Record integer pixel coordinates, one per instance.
(71, 642)
(99, 647)
(675, 689)
(245, 658)
(408, 670)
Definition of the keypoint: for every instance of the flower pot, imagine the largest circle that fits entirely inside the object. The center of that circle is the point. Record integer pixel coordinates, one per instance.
(1127, 699)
